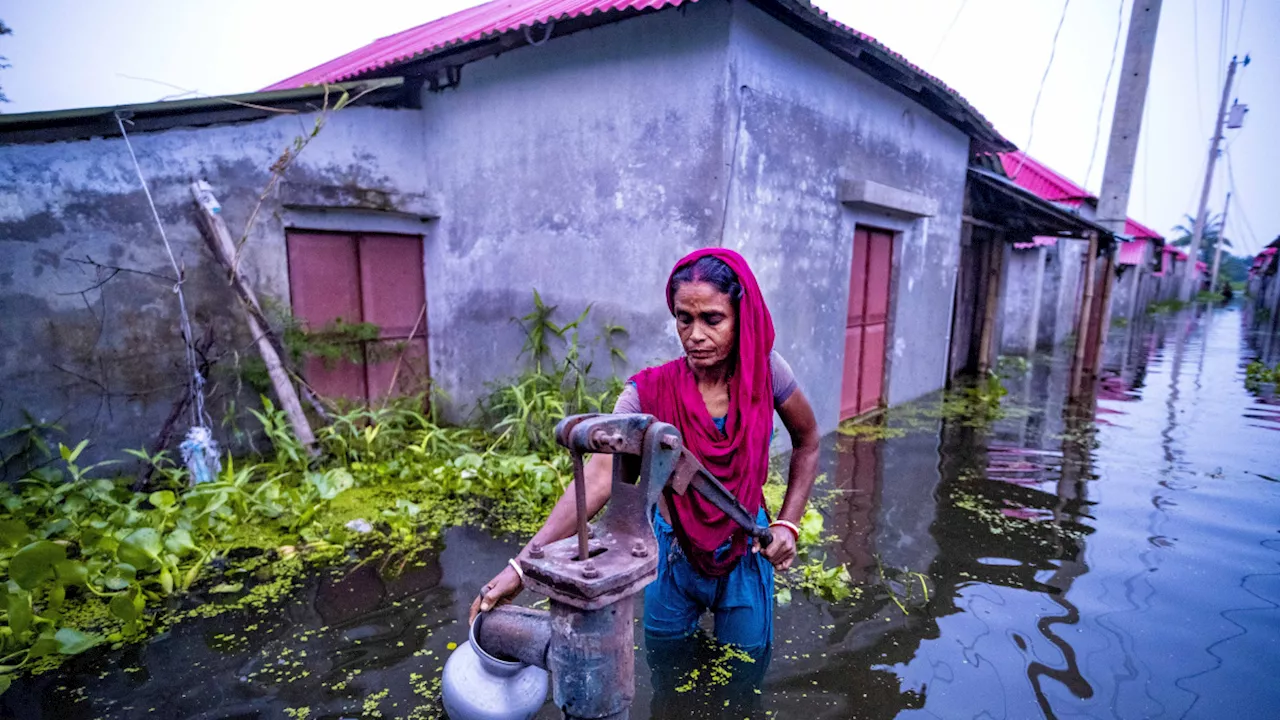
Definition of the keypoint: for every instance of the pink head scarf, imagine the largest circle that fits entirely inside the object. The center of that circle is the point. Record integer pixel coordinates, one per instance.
(738, 457)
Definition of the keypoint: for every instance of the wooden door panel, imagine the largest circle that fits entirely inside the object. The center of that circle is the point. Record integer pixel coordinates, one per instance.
(324, 281)
(852, 362)
(335, 379)
(858, 277)
(866, 326)
(391, 281)
(879, 268)
(871, 386)
(410, 379)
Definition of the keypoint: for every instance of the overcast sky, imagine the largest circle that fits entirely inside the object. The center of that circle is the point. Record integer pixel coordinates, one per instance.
(79, 53)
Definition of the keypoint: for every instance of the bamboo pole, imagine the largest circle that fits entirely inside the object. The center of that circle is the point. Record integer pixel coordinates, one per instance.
(995, 262)
(1082, 322)
(219, 239)
(1104, 316)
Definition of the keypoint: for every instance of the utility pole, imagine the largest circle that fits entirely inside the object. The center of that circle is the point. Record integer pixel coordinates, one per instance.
(1198, 232)
(1217, 247)
(1117, 175)
(1126, 122)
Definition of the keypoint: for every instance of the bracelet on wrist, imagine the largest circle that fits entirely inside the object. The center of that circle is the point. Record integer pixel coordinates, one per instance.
(515, 565)
(795, 531)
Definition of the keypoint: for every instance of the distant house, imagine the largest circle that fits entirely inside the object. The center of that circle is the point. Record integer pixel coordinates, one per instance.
(576, 147)
(1028, 279)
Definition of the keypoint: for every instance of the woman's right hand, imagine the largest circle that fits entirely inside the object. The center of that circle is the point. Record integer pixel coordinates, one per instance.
(502, 589)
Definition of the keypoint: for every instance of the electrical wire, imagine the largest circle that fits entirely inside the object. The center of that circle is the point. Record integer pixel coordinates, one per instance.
(1102, 102)
(1145, 141)
(1053, 50)
(1231, 180)
(1195, 44)
(1224, 25)
(1240, 25)
(947, 34)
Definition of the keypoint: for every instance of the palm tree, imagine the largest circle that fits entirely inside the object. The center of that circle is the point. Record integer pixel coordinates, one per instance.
(1208, 238)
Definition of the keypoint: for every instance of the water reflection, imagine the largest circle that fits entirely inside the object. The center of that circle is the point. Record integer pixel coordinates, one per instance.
(1111, 559)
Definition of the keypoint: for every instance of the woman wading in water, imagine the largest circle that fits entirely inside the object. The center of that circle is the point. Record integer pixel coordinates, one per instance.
(721, 396)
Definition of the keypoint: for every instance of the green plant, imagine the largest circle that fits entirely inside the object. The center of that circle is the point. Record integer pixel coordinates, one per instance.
(1165, 306)
(524, 411)
(335, 342)
(1256, 373)
(977, 404)
(1010, 365)
(28, 445)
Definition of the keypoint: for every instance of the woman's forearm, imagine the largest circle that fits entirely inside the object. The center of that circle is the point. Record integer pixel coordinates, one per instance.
(563, 520)
(800, 479)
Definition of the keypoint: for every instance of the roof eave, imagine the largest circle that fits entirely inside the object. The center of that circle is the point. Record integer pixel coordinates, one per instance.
(1064, 222)
(81, 123)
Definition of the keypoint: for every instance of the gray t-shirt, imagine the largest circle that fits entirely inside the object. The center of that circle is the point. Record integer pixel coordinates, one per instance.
(784, 384)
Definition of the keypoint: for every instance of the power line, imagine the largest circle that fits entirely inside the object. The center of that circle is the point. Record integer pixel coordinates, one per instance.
(1053, 50)
(1231, 180)
(947, 34)
(1240, 25)
(1195, 43)
(1145, 139)
(1102, 103)
(1224, 22)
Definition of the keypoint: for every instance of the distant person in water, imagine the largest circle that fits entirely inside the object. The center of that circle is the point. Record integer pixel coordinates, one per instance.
(721, 396)
(1227, 292)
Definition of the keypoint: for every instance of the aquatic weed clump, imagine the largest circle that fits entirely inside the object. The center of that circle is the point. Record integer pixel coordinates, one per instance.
(88, 561)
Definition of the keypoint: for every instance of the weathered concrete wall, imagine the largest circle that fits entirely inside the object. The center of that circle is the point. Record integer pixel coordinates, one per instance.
(1060, 304)
(1020, 300)
(100, 352)
(802, 123)
(583, 169)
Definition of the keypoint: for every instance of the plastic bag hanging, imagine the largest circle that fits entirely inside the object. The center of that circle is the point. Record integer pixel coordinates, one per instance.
(200, 454)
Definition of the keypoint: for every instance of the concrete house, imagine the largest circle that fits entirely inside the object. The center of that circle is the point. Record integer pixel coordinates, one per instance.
(576, 147)
(1035, 276)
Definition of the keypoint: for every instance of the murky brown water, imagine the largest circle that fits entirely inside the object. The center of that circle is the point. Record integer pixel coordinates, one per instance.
(1124, 564)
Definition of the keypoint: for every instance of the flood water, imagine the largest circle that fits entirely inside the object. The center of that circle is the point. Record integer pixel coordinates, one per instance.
(1121, 561)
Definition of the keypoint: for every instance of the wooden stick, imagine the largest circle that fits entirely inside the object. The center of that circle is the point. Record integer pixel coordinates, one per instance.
(1082, 324)
(395, 374)
(1104, 316)
(995, 256)
(219, 239)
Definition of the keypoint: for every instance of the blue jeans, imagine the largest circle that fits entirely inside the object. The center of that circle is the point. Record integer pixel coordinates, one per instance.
(741, 601)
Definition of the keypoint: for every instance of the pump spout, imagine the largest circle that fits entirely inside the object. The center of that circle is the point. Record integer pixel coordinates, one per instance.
(515, 633)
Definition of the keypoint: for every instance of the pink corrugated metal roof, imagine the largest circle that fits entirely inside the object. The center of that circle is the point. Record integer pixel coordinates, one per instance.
(491, 18)
(1047, 183)
(501, 16)
(1135, 229)
(1037, 241)
(1202, 267)
(1132, 253)
(1037, 177)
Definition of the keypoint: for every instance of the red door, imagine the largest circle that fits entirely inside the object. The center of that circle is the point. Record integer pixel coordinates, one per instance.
(363, 278)
(865, 331)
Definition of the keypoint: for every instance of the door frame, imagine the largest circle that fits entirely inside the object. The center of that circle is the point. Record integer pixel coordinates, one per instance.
(903, 228)
(415, 231)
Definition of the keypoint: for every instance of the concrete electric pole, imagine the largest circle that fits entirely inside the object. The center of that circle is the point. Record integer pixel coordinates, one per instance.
(1198, 232)
(1217, 246)
(1126, 122)
(1117, 174)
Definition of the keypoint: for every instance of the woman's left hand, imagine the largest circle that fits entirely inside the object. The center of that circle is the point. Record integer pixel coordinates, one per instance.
(781, 552)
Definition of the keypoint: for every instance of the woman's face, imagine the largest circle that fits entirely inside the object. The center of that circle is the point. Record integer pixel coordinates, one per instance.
(707, 324)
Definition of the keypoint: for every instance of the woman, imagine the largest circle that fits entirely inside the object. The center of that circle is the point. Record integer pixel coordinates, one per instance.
(721, 396)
